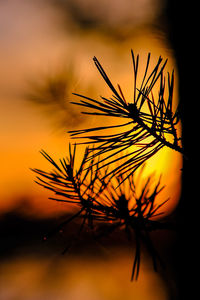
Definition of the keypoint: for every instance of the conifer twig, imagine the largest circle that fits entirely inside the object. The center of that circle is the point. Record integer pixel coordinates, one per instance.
(98, 201)
(148, 130)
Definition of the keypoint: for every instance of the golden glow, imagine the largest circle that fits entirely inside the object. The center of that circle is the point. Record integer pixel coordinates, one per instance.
(88, 278)
(39, 38)
(25, 130)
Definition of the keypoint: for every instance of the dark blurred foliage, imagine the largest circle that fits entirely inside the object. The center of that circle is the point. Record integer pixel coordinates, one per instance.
(51, 93)
(115, 19)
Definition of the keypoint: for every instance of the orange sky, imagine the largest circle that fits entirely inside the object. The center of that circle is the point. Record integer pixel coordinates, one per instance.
(37, 39)
(34, 41)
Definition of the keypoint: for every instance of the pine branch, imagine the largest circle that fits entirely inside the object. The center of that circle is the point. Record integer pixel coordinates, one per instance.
(98, 201)
(149, 129)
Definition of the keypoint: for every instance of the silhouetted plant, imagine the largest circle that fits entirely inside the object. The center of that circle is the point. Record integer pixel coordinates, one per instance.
(98, 201)
(100, 192)
(148, 130)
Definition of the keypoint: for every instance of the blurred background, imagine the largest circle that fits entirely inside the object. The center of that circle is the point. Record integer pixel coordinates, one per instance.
(46, 51)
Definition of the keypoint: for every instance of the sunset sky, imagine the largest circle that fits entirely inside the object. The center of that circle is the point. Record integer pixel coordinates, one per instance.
(38, 40)
(48, 41)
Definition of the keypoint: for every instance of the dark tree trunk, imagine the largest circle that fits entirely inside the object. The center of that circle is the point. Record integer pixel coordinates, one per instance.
(182, 33)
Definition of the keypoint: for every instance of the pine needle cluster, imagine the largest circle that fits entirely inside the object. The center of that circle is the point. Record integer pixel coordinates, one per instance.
(98, 202)
(149, 131)
(98, 188)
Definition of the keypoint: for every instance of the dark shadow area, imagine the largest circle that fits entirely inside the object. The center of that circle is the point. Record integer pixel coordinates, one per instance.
(23, 236)
(182, 31)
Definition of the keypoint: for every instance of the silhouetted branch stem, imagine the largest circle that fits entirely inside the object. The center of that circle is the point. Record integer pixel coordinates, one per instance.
(157, 121)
